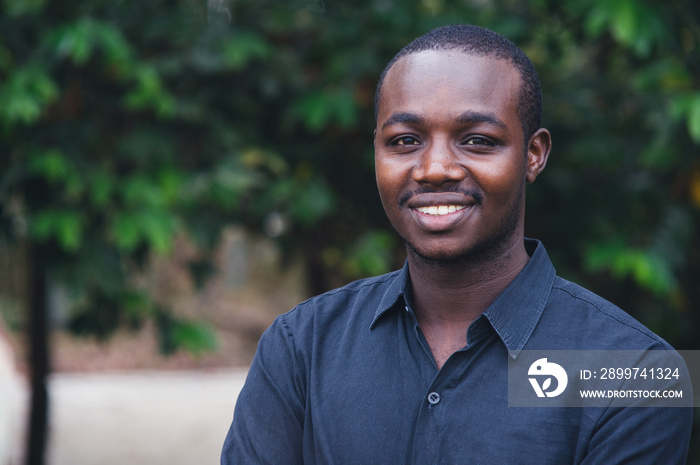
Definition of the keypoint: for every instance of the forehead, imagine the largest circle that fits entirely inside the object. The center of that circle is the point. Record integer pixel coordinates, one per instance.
(447, 83)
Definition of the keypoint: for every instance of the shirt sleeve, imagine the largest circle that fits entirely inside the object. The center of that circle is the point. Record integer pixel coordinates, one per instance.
(268, 419)
(641, 435)
(644, 435)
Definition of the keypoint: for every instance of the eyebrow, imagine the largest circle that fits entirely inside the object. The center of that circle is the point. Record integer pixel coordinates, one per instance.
(468, 117)
(397, 118)
(473, 117)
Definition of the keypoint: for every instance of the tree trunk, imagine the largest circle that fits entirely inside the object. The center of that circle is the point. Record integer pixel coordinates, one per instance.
(38, 357)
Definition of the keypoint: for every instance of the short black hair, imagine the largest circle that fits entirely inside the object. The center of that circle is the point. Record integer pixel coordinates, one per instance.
(482, 42)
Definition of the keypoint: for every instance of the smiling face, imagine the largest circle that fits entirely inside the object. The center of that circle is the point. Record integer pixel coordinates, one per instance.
(450, 157)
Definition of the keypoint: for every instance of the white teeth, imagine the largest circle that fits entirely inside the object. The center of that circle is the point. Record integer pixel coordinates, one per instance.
(439, 210)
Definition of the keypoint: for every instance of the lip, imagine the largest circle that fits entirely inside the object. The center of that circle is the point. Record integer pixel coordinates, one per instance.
(440, 223)
(440, 198)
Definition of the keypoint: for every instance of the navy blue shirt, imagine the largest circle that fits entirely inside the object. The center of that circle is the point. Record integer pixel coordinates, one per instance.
(348, 378)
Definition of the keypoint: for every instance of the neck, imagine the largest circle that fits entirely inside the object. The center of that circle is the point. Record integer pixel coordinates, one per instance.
(455, 293)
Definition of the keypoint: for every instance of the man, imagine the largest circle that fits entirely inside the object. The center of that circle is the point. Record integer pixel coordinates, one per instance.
(411, 367)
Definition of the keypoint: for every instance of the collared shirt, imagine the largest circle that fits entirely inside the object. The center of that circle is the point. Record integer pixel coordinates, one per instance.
(348, 378)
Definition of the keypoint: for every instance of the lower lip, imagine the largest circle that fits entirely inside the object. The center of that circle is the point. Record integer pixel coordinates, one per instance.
(439, 223)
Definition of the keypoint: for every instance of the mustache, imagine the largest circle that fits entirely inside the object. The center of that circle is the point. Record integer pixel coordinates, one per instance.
(473, 193)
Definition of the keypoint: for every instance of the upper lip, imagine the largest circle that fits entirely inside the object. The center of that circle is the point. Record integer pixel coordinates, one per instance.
(440, 198)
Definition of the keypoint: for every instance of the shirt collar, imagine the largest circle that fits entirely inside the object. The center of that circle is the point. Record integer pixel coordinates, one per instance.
(397, 290)
(515, 312)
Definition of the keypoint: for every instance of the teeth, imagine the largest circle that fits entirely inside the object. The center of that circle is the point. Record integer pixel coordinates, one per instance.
(439, 210)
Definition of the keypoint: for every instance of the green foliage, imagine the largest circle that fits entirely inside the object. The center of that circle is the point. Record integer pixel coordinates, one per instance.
(25, 94)
(196, 337)
(687, 107)
(244, 48)
(124, 125)
(66, 226)
(647, 268)
(23, 7)
(371, 254)
(633, 24)
(327, 107)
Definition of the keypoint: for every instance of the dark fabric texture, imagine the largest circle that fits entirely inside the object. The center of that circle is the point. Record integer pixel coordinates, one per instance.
(348, 378)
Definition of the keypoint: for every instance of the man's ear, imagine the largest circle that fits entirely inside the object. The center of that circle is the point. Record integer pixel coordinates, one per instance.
(538, 149)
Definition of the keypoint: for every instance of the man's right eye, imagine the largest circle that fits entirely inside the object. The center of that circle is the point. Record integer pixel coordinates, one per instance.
(406, 140)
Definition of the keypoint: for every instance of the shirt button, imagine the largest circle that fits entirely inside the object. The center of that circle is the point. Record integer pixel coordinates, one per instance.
(433, 398)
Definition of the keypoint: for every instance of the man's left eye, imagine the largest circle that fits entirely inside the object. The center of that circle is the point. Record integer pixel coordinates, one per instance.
(406, 140)
(477, 141)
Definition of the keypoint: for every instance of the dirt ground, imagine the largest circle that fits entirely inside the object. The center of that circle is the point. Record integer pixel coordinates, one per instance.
(121, 401)
(149, 418)
(139, 417)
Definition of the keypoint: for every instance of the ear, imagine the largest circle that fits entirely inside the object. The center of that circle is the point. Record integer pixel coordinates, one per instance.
(538, 149)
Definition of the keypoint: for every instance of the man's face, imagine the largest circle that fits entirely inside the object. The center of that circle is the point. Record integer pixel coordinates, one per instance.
(449, 154)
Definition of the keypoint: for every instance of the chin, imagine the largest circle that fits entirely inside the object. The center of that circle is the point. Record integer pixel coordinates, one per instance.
(442, 256)
(493, 248)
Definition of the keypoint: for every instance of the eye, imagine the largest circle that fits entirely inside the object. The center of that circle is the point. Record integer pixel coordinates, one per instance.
(406, 140)
(478, 140)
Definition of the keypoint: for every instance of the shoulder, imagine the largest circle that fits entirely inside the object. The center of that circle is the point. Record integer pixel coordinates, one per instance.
(362, 288)
(355, 303)
(594, 321)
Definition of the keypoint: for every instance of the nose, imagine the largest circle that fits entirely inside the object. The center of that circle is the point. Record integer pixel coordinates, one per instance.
(438, 165)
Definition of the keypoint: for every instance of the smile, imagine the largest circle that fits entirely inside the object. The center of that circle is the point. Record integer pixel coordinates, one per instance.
(440, 210)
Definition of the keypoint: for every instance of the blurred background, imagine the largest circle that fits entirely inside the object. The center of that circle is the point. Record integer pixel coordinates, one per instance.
(174, 174)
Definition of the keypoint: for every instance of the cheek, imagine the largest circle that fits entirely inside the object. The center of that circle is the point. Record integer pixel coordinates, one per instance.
(502, 181)
(383, 184)
(388, 196)
(389, 176)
